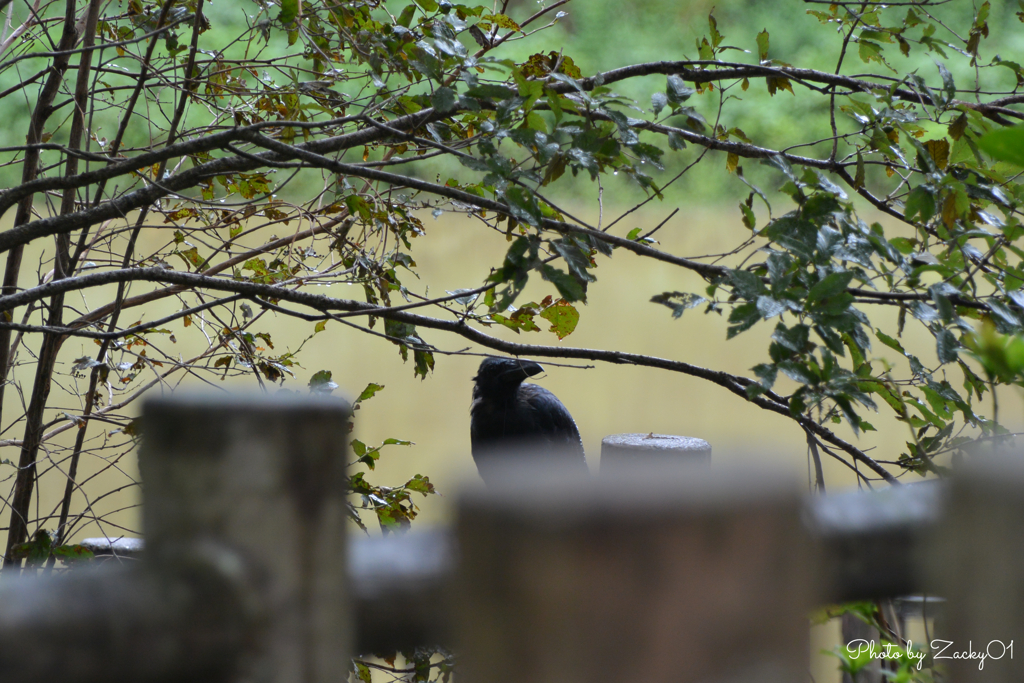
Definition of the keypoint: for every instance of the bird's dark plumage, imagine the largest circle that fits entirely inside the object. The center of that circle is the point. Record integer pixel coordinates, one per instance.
(508, 417)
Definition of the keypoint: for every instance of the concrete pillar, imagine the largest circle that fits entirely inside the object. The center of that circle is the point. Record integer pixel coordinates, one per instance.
(243, 577)
(626, 450)
(652, 575)
(256, 486)
(979, 567)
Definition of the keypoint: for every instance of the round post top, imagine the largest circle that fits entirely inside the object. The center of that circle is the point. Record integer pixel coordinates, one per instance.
(655, 442)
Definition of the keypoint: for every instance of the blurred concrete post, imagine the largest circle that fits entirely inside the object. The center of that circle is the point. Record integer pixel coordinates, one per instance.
(654, 575)
(99, 624)
(979, 567)
(626, 450)
(871, 546)
(243, 577)
(258, 480)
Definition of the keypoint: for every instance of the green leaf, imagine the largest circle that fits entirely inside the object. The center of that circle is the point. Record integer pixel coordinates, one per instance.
(420, 484)
(894, 401)
(576, 257)
(502, 21)
(424, 361)
(749, 219)
(793, 339)
(923, 312)
(946, 346)
(948, 86)
(920, 204)
(321, 383)
(568, 287)
(940, 294)
(762, 45)
(72, 553)
(679, 302)
(798, 372)
(289, 10)
(890, 342)
(427, 5)
(769, 307)
(404, 19)
(716, 37)
(1005, 144)
(658, 102)
(648, 153)
(796, 234)
(743, 317)
(523, 205)
(766, 374)
(489, 91)
(830, 285)
(746, 284)
(677, 91)
(563, 318)
(358, 205)
(676, 141)
(705, 51)
(869, 52)
(443, 100)
(903, 245)
(1001, 355)
(369, 392)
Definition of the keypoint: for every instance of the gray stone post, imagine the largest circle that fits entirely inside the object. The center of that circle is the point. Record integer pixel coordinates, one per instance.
(243, 577)
(620, 451)
(653, 575)
(979, 567)
(258, 482)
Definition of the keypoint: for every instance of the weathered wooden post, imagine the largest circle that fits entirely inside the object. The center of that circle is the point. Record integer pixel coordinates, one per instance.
(623, 451)
(657, 574)
(979, 567)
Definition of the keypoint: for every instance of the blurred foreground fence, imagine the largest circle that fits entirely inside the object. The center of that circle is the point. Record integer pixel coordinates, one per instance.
(649, 572)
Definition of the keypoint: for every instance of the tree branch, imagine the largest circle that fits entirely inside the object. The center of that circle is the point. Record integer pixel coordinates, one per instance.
(256, 291)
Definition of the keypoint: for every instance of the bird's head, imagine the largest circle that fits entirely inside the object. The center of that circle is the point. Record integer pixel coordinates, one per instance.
(499, 375)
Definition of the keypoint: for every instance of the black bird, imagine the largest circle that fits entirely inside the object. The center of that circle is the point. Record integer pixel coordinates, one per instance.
(509, 418)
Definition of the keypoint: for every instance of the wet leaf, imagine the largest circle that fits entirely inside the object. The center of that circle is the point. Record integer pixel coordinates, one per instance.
(563, 317)
(444, 100)
(321, 383)
(289, 11)
(762, 45)
(830, 285)
(678, 302)
(1005, 144)
(939, 151)
(420, 484)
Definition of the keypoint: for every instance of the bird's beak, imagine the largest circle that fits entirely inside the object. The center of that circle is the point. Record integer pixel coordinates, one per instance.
(531, 368)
